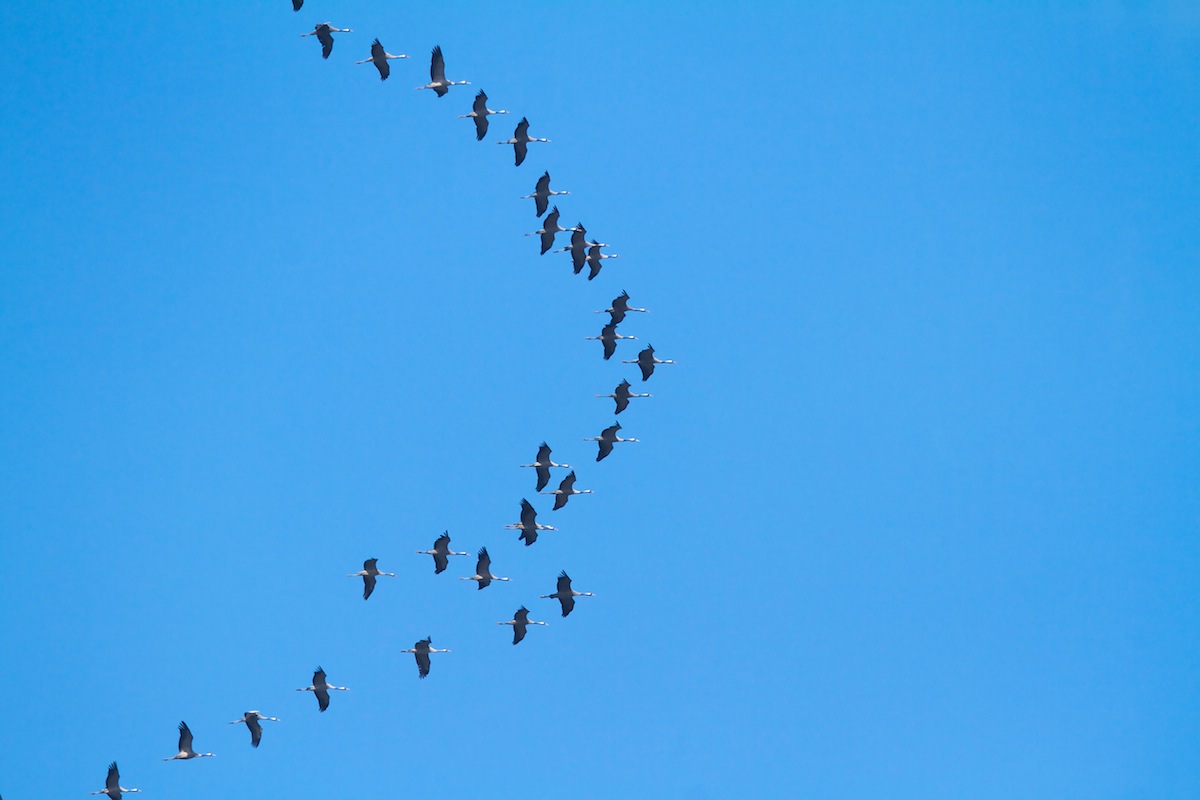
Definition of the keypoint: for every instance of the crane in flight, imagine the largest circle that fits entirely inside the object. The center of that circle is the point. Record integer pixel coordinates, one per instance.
(421, 651)
(564, 491)
(441, 553)
(564, 594)
(480, 112)
(542, 464)
(380, 58)
(519, 622)
(437, 74)
(112, 785)
(324, 33)
(483, 571)
(321, 688)
(369, 573)
(252, 720)
(528, 526)
(185, 746)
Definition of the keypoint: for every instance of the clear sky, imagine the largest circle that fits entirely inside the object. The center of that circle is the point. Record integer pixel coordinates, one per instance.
(915, 514)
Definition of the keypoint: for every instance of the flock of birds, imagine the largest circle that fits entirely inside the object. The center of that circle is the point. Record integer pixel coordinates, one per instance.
(584, 253)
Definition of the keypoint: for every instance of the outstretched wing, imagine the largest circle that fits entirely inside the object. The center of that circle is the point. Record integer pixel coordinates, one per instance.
(322, 698)
(368, 585)
(521, 149)
(528, 513)
(543, 477)
(326, 40)
(437, 67)
(440, 562)
(422, 664)
(529, 535)
(185, 738)
(610, 346)
(518, 631)
(481, 126)
(568, 603)
(606, 447)
(255, 731)
(114, 777)
(296, 4)
(564, 583)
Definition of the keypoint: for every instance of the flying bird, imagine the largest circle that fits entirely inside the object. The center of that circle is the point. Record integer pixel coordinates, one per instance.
(479, 112)
(324, 33)
(646, 361)
(185, 746)
(521, 140)
(112, 785)
(369, 573)
(441, 553)
(607, 438)
(421, 651)
(321, 689)
(595, 260)
(483, 571)
(528, 526)
(619, 308)
(564, 491)
(609, 336)
(565, 594)
(542, 464)
(549, 228)
(519, 622)
(437, 74)
(621, 395)
(542, 194)
(252, 719)
(380, 57)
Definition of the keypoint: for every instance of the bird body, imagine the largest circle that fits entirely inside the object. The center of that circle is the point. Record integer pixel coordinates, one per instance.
(519, 623)
(112, 785)
(646, 361)
(437, 74)
(529, 526)
(185, 746)
(621, 395)
(483, 571)
(380, 57)
(564, 594)
(441, 553)
(564, 491)
(542, 194)
(543, 465)
(369, 573)
(252, 720)
(607, 438)
(520, 142)
(321, 688)
(324, 33)
(421, 651)
(480, 112)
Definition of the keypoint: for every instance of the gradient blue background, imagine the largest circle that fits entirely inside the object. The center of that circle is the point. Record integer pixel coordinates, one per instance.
(915, 515)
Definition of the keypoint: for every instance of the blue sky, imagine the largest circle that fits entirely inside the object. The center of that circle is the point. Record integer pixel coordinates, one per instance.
(915, 514)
